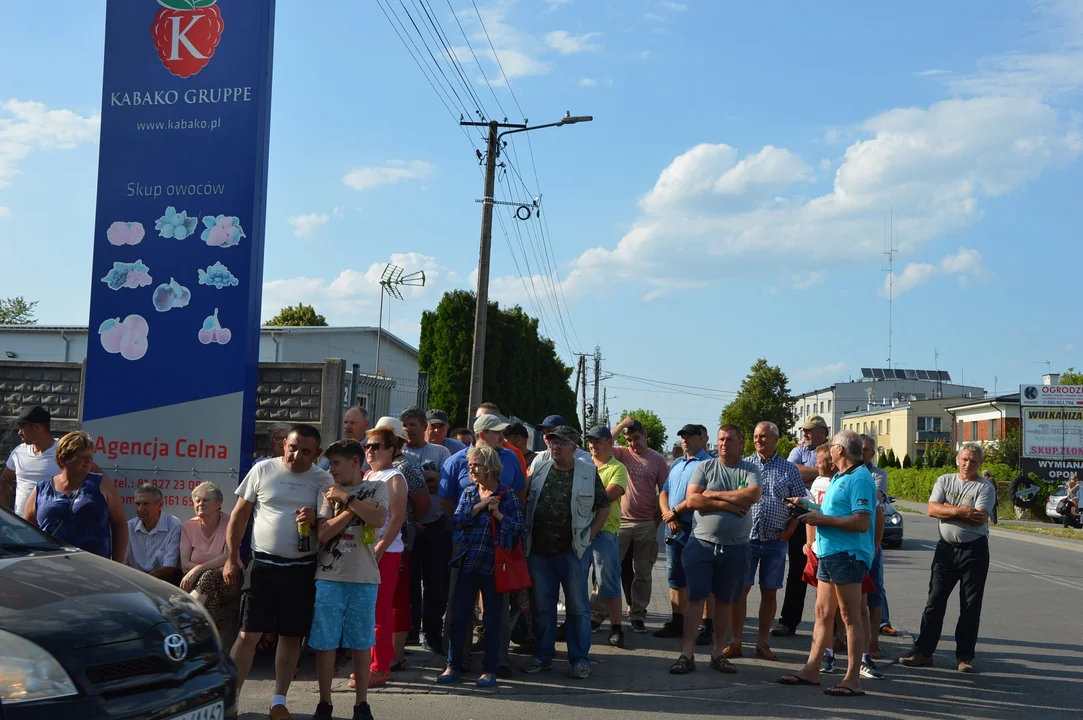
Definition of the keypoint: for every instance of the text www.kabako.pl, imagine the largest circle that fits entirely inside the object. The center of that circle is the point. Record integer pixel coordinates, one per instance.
(180, 125)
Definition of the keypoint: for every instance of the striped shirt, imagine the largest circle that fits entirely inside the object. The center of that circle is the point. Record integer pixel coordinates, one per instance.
(153, 549)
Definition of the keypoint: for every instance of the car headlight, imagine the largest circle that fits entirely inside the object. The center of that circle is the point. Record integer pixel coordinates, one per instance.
(28, 672)
(895, 519)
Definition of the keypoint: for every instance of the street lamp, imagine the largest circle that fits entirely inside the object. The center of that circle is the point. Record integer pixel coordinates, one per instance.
(477, 364)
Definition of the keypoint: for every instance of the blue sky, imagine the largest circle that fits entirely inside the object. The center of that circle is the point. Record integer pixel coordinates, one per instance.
(728, 202)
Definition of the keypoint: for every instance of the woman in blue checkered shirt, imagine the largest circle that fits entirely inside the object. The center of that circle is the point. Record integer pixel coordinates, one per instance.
(481, 505)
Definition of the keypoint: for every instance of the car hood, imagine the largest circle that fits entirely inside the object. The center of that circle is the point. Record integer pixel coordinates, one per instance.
(68, 600)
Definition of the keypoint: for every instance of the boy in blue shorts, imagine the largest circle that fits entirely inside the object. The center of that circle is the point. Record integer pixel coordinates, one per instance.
(347, 574)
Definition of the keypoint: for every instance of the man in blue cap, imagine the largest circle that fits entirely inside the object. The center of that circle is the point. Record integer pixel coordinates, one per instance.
(550, 423)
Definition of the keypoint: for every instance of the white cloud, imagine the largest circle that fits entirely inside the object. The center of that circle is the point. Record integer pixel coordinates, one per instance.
(305, 225)
(644, 54)
(4, 212)
(353, 297)
(588, 82)
(938, 163)
(364, 178)
(32, 126)
(829, 370)
(932, 72)
(966, 266)
(654, 17)
(673, 6)
(1069, 347)
(652, 295)
(567, 44)
(807, 280)
(518, 51)
(337, 211)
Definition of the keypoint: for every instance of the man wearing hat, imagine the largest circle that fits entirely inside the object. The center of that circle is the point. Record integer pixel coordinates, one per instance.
(32, 461)
(566, 509)
(436, 431)
(678, 519)
(814, 432)
(552, 422)
(488, 408)
(605, 550)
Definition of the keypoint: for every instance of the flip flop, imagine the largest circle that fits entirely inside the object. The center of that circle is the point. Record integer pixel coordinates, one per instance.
(795, 680)
(841, 691)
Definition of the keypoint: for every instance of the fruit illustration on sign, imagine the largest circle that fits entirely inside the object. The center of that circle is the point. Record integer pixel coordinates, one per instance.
(222, 231)
(175, 224)
(217, 275)
(185, 33)
(212, 331)
(128, 275)
(125, 233)
(173, 295)
(128, 338)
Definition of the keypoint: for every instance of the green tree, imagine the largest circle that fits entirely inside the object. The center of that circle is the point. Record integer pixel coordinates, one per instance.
(891, 460)
(656, 429)
(906, 462)
(882, 460)
(764, 395)
(1006, 451)
(524, 375)
(920, 462)
(298, 316)
(1071, 377)
(939, 454)
(17, 311)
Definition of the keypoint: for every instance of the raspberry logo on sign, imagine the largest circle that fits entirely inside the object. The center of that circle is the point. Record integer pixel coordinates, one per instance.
(185, 33)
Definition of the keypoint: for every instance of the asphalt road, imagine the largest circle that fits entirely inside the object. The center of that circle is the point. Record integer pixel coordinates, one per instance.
(1030, 655)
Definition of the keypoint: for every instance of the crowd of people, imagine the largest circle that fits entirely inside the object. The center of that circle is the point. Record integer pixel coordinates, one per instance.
(408, 533)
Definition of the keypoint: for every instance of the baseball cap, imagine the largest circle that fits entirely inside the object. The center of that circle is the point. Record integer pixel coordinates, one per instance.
(516, 428)
(437, 417)
(564, 433)
(689, 429)
(814, 421)
(489, 422)
(36, 414)
(552, 421)
(600, 432)
(393, 424)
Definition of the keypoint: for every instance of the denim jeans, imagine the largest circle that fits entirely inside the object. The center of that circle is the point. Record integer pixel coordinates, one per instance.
(549, 574)
(467, 585)
(877, 572)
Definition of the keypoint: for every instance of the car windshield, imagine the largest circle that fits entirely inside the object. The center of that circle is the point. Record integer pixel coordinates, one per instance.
(20, 537)
(1060, 492)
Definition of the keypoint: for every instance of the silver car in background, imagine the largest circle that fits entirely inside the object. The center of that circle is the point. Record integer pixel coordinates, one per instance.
(1051, 505)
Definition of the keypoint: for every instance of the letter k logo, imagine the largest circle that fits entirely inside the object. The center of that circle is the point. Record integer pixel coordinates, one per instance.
(180, 37)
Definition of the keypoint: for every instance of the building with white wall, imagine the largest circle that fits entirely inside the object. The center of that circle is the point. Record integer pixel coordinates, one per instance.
(876, 388)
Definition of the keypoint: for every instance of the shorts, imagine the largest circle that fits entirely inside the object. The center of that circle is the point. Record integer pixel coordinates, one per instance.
(841, 569)
(715, 569)
(876, 572)
(345, 616)
(674, 561)
(813, 564)
(606, 558)
(770, 556)
(278, 598)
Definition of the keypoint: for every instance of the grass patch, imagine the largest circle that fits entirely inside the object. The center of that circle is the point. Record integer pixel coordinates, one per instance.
(908, 511)
(1058, 532)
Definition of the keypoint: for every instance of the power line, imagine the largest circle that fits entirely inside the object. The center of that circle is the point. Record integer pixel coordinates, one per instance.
(476, 60)
(497, 58)
(449, 56)
(679, 385)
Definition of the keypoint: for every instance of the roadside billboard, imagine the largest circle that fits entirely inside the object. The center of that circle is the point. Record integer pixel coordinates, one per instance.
(1052, 417)
(172, 357)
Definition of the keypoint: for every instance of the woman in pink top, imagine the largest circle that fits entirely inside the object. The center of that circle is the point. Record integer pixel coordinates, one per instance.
(203, 550)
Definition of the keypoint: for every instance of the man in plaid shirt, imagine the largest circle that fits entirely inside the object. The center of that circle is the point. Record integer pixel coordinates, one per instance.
(771, 529)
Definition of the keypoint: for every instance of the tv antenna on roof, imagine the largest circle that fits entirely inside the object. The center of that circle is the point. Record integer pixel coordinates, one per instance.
(391, 280)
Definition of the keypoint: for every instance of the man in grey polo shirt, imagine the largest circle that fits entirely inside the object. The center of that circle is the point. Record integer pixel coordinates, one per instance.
(716, 558)
(961, 502)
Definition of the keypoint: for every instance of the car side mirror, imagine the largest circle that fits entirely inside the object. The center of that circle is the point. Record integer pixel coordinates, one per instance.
(890, 500)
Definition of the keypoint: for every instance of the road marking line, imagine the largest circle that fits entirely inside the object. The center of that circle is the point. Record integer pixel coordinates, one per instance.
(1015, 568)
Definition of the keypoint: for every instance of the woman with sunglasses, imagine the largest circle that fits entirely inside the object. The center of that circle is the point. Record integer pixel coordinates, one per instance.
(380, 448)
(79, 507)
(486, 515)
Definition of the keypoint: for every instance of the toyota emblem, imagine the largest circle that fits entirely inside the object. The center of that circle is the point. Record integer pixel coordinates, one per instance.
(176, 647)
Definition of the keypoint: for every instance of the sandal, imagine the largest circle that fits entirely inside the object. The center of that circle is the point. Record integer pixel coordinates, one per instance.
(843, 691)
(765, 653)
(722, 665)
(795, 680)
(733, 651)
(683, 666)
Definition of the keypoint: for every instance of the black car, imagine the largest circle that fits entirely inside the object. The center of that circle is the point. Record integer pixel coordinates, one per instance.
(84, 637)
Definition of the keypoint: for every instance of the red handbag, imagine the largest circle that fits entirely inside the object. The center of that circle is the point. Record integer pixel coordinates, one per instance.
(510, 572)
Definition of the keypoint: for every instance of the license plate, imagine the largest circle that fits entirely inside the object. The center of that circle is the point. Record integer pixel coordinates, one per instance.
(207, 712)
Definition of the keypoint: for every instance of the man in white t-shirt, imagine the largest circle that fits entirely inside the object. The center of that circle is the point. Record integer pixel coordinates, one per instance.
(279, 591)
(31, 462)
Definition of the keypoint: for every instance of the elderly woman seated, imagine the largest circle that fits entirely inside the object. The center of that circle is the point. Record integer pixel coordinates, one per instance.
(203, 551)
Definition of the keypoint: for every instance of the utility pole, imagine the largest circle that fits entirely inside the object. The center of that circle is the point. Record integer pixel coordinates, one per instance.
(605, 407)
(597, 380)
(477, 363)
(583, 372)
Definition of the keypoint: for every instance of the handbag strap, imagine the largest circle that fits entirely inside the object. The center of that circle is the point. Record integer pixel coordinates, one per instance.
(492, 520)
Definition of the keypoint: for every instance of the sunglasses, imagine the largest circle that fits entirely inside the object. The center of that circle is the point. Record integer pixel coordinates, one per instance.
(373, 447)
